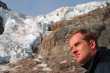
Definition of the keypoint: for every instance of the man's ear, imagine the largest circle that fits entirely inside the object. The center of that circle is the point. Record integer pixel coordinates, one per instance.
(92, 44)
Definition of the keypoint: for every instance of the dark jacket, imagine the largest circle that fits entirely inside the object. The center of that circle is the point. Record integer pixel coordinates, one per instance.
(100, 63)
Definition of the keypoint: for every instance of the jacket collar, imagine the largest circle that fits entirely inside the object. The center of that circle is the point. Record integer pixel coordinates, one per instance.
(92, 63)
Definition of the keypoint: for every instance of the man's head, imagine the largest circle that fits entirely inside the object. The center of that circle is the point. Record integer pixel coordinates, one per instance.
(82, 45)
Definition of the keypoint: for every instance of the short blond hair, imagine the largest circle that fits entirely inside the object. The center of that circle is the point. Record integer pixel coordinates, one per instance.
(88, 35)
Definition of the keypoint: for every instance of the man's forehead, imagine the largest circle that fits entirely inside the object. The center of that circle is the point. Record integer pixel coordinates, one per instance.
(76, 38)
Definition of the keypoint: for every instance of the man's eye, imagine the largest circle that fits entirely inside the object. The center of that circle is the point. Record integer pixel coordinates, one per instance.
(77, 44)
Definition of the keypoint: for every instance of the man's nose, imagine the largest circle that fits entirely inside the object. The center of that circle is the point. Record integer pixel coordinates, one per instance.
(74, 50)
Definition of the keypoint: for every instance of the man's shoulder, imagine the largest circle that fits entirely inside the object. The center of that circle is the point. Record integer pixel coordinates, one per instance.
(103, 60)
(104, 50)
(104, 54)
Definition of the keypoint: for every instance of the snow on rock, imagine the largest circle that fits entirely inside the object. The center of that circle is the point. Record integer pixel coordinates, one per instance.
(22, 31)
(83, 9)
(68, 12)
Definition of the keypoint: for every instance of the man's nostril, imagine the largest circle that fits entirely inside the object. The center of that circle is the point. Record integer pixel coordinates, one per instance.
(74, 51)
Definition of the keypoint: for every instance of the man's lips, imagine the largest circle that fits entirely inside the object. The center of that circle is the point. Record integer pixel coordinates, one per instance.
(76, 55)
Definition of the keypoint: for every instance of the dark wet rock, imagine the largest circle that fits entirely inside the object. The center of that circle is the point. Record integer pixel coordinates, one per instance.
(3, 5)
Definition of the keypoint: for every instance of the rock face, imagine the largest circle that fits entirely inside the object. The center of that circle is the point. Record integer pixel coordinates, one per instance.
(3, 5)
(54, 47)
(22, 35)
(19, 33)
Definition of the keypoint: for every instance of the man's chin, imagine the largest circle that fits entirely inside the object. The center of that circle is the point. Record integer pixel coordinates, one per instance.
(79, 62)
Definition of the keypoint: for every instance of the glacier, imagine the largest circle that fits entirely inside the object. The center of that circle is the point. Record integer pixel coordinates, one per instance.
(22, 31)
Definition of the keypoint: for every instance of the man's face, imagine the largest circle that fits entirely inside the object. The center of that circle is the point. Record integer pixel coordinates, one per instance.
(81, 50)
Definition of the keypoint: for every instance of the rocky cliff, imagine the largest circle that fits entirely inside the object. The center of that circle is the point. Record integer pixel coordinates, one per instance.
(38, 43)
(54, 46)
